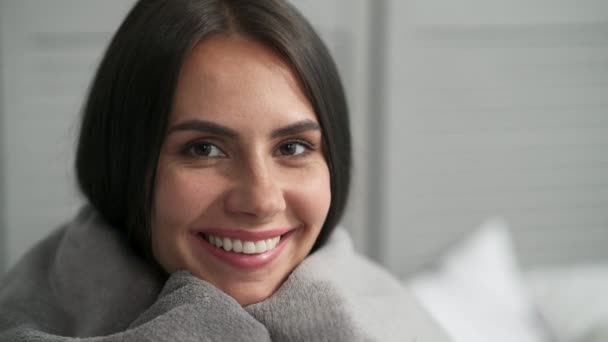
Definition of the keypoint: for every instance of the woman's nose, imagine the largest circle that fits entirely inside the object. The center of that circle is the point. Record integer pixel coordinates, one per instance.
(256, 194)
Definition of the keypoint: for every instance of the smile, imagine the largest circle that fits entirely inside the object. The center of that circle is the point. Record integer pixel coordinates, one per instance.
(240, 246)
(243, 249)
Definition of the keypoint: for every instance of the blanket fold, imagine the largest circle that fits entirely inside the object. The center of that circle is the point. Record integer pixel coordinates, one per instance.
(84, 283)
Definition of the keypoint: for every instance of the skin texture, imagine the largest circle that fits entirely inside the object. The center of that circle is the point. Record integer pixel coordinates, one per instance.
(253, 180)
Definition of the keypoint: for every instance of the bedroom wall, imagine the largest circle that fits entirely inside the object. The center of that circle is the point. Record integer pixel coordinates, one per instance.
(496, 108)
(49, 52)
(3, 251)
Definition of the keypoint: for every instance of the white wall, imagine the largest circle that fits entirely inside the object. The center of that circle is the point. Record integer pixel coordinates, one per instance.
(3, 251)
(49, 51)
(496, 108)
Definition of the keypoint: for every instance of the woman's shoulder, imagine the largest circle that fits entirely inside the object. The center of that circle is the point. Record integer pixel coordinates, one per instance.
(72, 237)
(84, 266)
(369, 294)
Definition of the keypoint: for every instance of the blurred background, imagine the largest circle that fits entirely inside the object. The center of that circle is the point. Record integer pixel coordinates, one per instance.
(461, 111)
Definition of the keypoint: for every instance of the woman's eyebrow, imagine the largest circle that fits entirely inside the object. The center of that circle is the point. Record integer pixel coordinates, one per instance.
(295, 128)
(213, 128)
(204, 127)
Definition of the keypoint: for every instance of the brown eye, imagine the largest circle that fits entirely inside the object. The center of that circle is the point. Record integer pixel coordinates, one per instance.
(207, 150)
(293, 148)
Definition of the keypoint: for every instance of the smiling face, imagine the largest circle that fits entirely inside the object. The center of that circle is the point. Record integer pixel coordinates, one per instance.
(242, 186)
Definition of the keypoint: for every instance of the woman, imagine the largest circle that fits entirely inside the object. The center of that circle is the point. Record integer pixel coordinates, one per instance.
(215, 155)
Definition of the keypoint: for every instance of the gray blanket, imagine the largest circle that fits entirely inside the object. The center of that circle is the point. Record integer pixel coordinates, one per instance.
(84, 283)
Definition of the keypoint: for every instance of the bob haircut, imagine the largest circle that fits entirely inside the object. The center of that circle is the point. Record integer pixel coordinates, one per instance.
(125, 117)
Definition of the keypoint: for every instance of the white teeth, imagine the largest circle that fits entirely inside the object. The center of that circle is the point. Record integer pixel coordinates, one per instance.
(270, 244)
(227, 244)
(246, 247)
(237, 246)
(260, 246)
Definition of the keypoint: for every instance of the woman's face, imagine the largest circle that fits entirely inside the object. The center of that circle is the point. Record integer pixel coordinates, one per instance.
(242, 168)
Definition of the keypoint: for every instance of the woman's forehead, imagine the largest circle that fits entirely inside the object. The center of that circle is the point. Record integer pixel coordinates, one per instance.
(232, 78)
(228, 58)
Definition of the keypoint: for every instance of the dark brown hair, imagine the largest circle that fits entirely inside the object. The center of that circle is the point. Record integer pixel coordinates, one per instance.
(125, 117)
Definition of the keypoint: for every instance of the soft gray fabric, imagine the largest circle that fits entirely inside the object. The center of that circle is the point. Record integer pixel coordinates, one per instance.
(84, 283)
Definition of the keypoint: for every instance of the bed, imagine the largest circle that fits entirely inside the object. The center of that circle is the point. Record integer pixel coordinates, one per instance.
(478, 291)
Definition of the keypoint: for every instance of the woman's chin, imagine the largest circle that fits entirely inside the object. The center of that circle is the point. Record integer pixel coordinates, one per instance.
(246, 287)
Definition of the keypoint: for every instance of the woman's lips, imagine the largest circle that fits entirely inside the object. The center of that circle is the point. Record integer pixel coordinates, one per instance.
(247, 250)
(245, 235)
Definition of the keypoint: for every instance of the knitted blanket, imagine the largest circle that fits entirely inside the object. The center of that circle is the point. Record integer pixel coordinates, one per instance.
(84, 283)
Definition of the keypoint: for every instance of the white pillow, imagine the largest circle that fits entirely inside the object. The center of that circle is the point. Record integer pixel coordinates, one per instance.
(477, 293)
(572, 299)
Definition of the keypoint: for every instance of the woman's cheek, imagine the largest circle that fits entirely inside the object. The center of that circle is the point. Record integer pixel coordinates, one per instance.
(182, 194)
(310, 194)
(180, 200)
